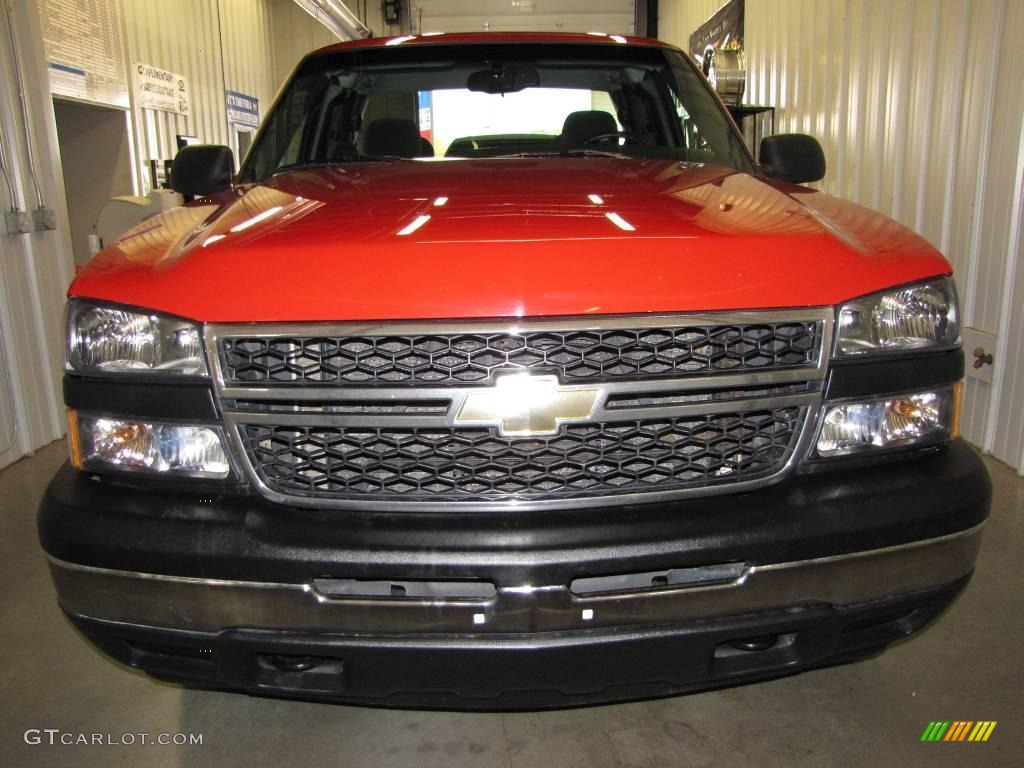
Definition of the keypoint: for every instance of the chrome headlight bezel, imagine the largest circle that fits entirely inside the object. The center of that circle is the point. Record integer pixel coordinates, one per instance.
(104, 339)
(919, 317)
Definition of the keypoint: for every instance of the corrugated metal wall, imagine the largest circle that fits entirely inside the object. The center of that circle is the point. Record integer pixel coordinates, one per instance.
(248, 46)
(295, 35)
(610, 16)
(918, 105)
(35, 268)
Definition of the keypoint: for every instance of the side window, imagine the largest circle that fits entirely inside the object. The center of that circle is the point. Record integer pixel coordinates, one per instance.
(291, 152)
(707, 135)
(693, 140)
(280, 142)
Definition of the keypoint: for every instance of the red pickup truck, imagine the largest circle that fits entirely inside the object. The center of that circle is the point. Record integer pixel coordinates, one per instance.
(502, 376)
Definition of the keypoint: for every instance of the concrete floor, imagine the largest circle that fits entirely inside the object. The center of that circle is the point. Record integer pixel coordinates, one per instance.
(967, 666)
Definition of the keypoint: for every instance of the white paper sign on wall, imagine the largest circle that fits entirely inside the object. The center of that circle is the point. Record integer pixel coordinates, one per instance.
(157, 88)
(84, 50)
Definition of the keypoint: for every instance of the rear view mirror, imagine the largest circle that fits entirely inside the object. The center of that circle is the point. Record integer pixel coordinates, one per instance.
(503, 78)
(793, 157)
(202, 170)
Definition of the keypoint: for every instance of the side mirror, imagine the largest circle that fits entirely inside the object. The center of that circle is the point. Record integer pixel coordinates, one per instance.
(202, 170)
(793, 157)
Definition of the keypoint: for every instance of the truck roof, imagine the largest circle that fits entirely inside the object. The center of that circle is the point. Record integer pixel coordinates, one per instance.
(470, 38)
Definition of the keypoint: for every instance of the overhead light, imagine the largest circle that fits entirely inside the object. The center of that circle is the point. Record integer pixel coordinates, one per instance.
(618, 38)
(415, 224)
(596, 199)
(400, 40)
(440, 201)
(336, 17)
(620, 222)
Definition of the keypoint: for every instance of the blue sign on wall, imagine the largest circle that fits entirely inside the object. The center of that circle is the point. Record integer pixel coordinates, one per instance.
(242, 109)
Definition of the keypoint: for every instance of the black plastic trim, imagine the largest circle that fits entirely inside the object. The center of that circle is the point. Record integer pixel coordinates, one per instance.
(184, 400)
(860, 378)
(246, 537)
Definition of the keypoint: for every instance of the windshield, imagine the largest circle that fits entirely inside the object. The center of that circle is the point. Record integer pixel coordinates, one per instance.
(430, 102)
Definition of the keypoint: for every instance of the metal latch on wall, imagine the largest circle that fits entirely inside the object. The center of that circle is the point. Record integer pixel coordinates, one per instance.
(980, 360)
(981, 357)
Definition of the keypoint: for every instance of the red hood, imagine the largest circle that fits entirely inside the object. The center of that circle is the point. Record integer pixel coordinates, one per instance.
(506, 238)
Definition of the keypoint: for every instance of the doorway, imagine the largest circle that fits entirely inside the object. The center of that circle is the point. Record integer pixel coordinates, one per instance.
(96, 161)
(243, 140)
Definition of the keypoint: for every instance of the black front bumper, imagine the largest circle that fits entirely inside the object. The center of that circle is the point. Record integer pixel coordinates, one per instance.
(522, 670)
(535, 653)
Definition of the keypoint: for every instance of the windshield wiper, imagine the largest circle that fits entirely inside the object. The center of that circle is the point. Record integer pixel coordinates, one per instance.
(577, 152)
(354, 157)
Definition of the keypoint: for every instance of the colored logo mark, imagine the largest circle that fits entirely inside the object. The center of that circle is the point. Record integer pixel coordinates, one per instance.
(959, 730)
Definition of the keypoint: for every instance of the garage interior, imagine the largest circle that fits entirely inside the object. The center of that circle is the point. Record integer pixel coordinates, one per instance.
(919, 107)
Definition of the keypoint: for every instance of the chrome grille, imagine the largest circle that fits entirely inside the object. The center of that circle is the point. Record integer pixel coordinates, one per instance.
(478, 463)
(341, 415)
(577, 355)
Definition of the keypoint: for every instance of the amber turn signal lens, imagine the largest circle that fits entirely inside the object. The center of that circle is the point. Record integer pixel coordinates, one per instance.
(74, 441)
(954, 425)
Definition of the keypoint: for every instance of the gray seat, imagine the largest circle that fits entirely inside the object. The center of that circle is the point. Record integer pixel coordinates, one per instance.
(580, 127)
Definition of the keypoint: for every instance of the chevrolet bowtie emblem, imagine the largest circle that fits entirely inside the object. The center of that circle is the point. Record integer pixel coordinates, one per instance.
(523, 405)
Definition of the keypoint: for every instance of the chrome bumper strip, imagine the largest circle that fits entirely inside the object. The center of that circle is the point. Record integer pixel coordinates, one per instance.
(212, 605)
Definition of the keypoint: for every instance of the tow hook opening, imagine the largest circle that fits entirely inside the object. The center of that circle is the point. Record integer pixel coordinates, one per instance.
(299, 673)
(762, 643)
(749, 646)
(288, 663)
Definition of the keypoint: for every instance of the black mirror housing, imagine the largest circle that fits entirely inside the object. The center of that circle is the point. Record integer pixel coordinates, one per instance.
(793, 157)
(202, 170)
(507, 78)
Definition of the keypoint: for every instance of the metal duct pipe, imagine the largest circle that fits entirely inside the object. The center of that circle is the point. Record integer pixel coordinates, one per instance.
(20, 84)
(336, 17)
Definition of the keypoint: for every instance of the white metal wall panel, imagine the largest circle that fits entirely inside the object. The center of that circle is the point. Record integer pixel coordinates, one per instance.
(184, 38)
(918, 106)
(248, 48)
(609, 16)
(35, 268)
(295, 34)
(1002, 210)
(240, 45)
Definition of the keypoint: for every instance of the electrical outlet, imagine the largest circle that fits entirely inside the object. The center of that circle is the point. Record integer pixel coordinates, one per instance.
(44, 218)
(17, 222)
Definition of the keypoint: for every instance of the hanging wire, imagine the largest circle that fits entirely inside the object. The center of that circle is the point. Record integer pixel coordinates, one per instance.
(10, 395)
(12, 192)
(20, 83)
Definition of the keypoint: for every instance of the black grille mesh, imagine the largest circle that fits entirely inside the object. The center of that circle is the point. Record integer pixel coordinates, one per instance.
(573, 355)
(478, 464)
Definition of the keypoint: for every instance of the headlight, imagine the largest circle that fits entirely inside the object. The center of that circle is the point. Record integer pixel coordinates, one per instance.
(107, 339)
(99, 443)
(921, 418)
(914, 317)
